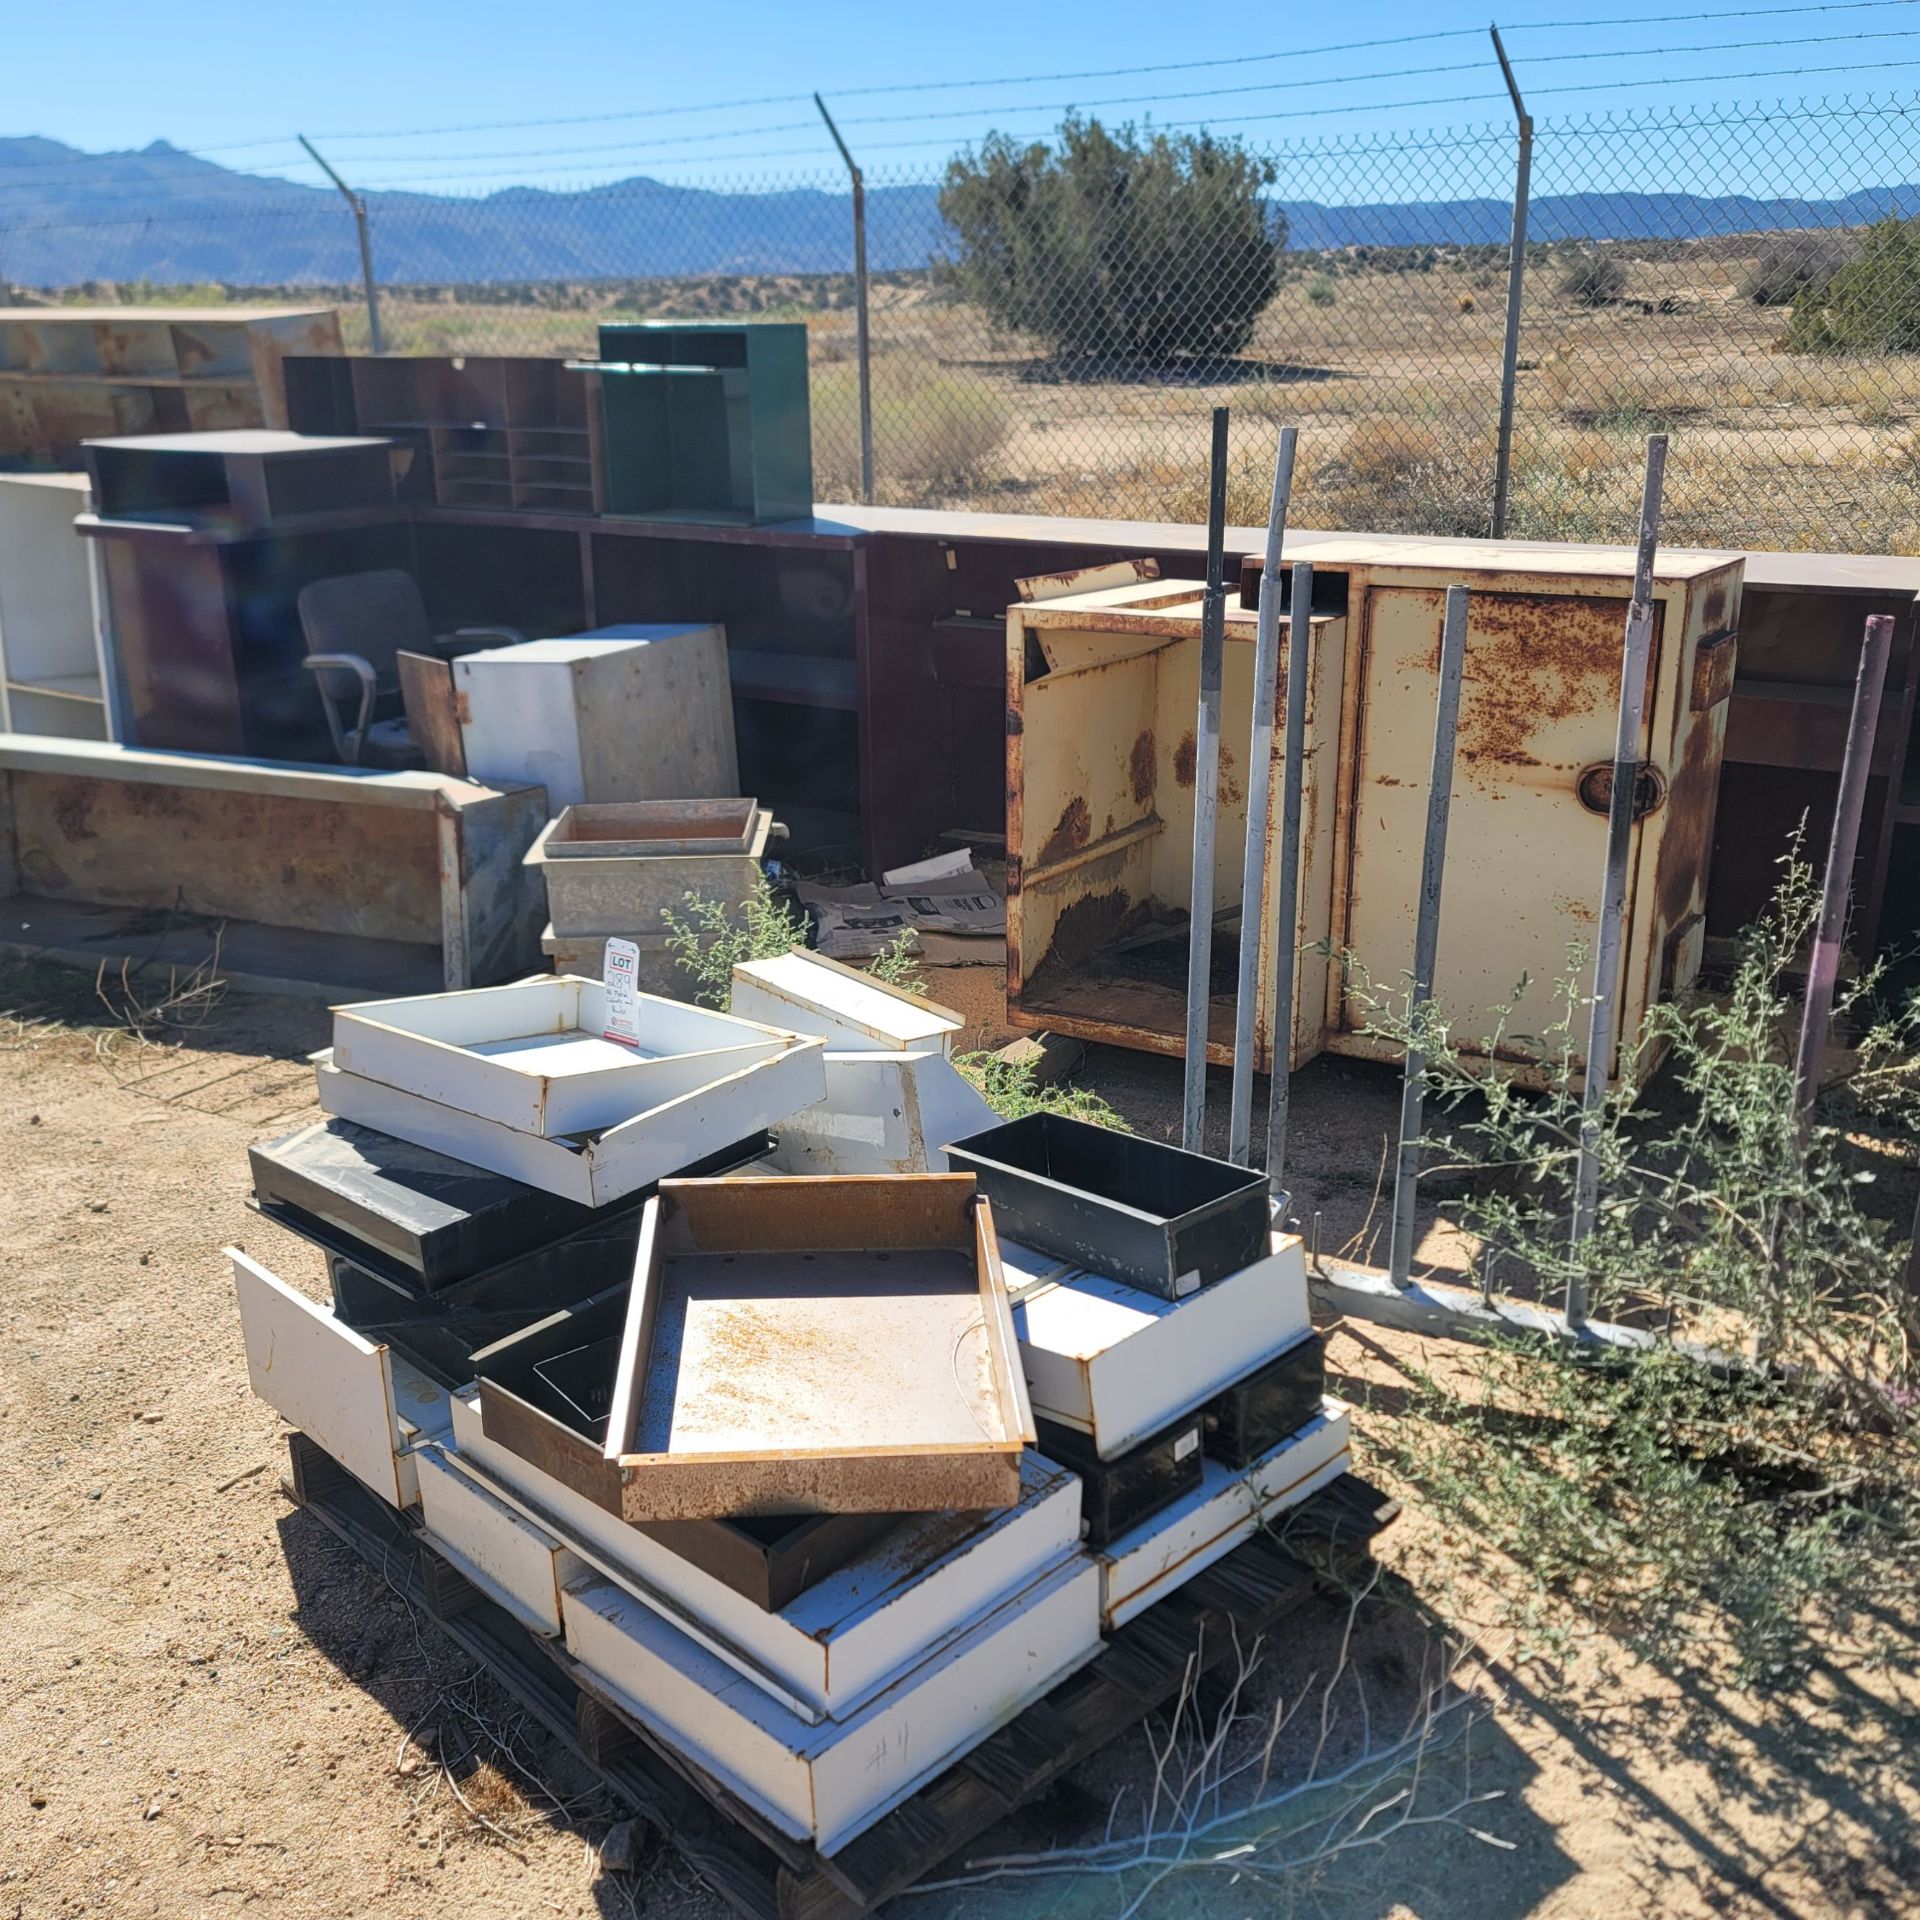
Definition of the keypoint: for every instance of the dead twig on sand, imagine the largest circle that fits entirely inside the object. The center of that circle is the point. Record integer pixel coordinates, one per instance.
(1213, 1812)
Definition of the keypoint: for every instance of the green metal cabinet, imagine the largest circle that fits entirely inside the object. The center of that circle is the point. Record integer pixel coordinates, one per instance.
(706, 423)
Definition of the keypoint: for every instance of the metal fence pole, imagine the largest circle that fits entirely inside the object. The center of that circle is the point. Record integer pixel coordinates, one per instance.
(1253, 869)
(862, 340)
(1516, 287)
(1426, 935)
(1613, 900)
(1286, 945)
(1206, 797)
(1837, 889)
(359, 208)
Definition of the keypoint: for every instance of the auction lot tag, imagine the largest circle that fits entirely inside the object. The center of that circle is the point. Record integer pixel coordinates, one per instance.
(621, 971)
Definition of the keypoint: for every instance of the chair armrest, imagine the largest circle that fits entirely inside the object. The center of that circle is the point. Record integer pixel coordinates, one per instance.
(346, 744)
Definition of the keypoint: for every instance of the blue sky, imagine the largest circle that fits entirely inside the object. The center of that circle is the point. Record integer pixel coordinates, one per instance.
(417, 92)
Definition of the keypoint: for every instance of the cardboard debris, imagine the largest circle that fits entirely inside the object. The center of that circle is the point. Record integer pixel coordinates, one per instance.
(948, 897)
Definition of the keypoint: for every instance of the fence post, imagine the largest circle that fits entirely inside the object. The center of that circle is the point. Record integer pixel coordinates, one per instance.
(1837, 888)
(359, 208)
(1516, 287)
(1426, 936)
(1253, 869)
(1206, 799)
(863, 343)
(1603, 1021)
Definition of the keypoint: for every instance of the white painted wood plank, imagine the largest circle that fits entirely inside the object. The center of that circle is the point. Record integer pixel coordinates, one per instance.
(849, 1636)
(511, 1560)
(1165, 1551)
(884, 1113)
(322, 1376)
(813, 994)
(1119, 1364)
(617, 1161)
(829, 1783)
(533, 1055)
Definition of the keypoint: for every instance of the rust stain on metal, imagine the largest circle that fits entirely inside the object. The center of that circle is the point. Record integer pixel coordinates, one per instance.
(1713, 664)
(462, 707)
(1140, 766)
(1183, 756)
(1531, 660)
(1071, 832)
(1016, 723)
(1232, 793)
(1045, 586)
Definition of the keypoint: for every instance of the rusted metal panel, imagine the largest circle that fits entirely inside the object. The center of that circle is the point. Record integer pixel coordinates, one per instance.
(327, 866)
(1100, 818)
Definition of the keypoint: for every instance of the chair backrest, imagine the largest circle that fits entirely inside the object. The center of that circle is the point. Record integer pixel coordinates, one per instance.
(376, 615)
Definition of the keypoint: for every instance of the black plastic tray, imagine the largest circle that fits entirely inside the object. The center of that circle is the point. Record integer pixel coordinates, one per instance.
(1116, 1495)
(1255, 1414)
(1136, 1210)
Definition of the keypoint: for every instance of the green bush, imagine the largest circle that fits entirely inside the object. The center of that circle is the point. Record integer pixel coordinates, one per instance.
(1116, 245)
(1593, 278)
(1319, 291)
(1872, 303)
(1794, 266)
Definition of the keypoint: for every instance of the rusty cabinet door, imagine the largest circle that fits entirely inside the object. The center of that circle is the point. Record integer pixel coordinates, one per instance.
(1525, 858)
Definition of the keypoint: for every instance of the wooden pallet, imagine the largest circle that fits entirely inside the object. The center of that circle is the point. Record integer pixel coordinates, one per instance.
(764, 1874)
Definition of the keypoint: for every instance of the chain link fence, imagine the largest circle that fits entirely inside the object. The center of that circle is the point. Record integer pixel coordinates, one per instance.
(1718, 274)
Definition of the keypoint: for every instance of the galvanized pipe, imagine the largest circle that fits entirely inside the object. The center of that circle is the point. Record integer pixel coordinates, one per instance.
(1516, 289)
(358, 208)
(1287, 941)
(1253, 867)
(1206, 797)
(1426, 935)
(1604, 1016)
(1855, 763)
(863, 347)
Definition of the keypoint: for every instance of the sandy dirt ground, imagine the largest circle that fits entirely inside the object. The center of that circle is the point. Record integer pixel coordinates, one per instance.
(208, 1707)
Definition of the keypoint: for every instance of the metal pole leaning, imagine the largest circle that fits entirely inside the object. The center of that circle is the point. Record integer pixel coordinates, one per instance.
(1253, 870)
(1602, 1023)
(1426, 938)
(1206, 797)
(359, 208)
(1855, 764)
(863, 344)
(1286, 945)
(1516, 288)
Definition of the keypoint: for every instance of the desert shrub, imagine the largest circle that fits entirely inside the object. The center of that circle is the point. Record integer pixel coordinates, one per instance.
(1010, 1089)
(1751, 1475)
(1593, 278)
(707, 943)
(1319, 291)
(1116, 245)
(1410, 476)
(1792, 266)
(1872, 303)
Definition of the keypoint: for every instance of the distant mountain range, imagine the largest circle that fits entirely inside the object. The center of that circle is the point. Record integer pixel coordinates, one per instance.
(164, 215)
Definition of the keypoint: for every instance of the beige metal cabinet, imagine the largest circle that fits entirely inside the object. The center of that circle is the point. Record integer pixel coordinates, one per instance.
(1526, 845)
(1103, 681)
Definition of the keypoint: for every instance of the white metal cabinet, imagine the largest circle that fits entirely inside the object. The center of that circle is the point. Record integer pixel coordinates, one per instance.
(621, 713)
(56, 673)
